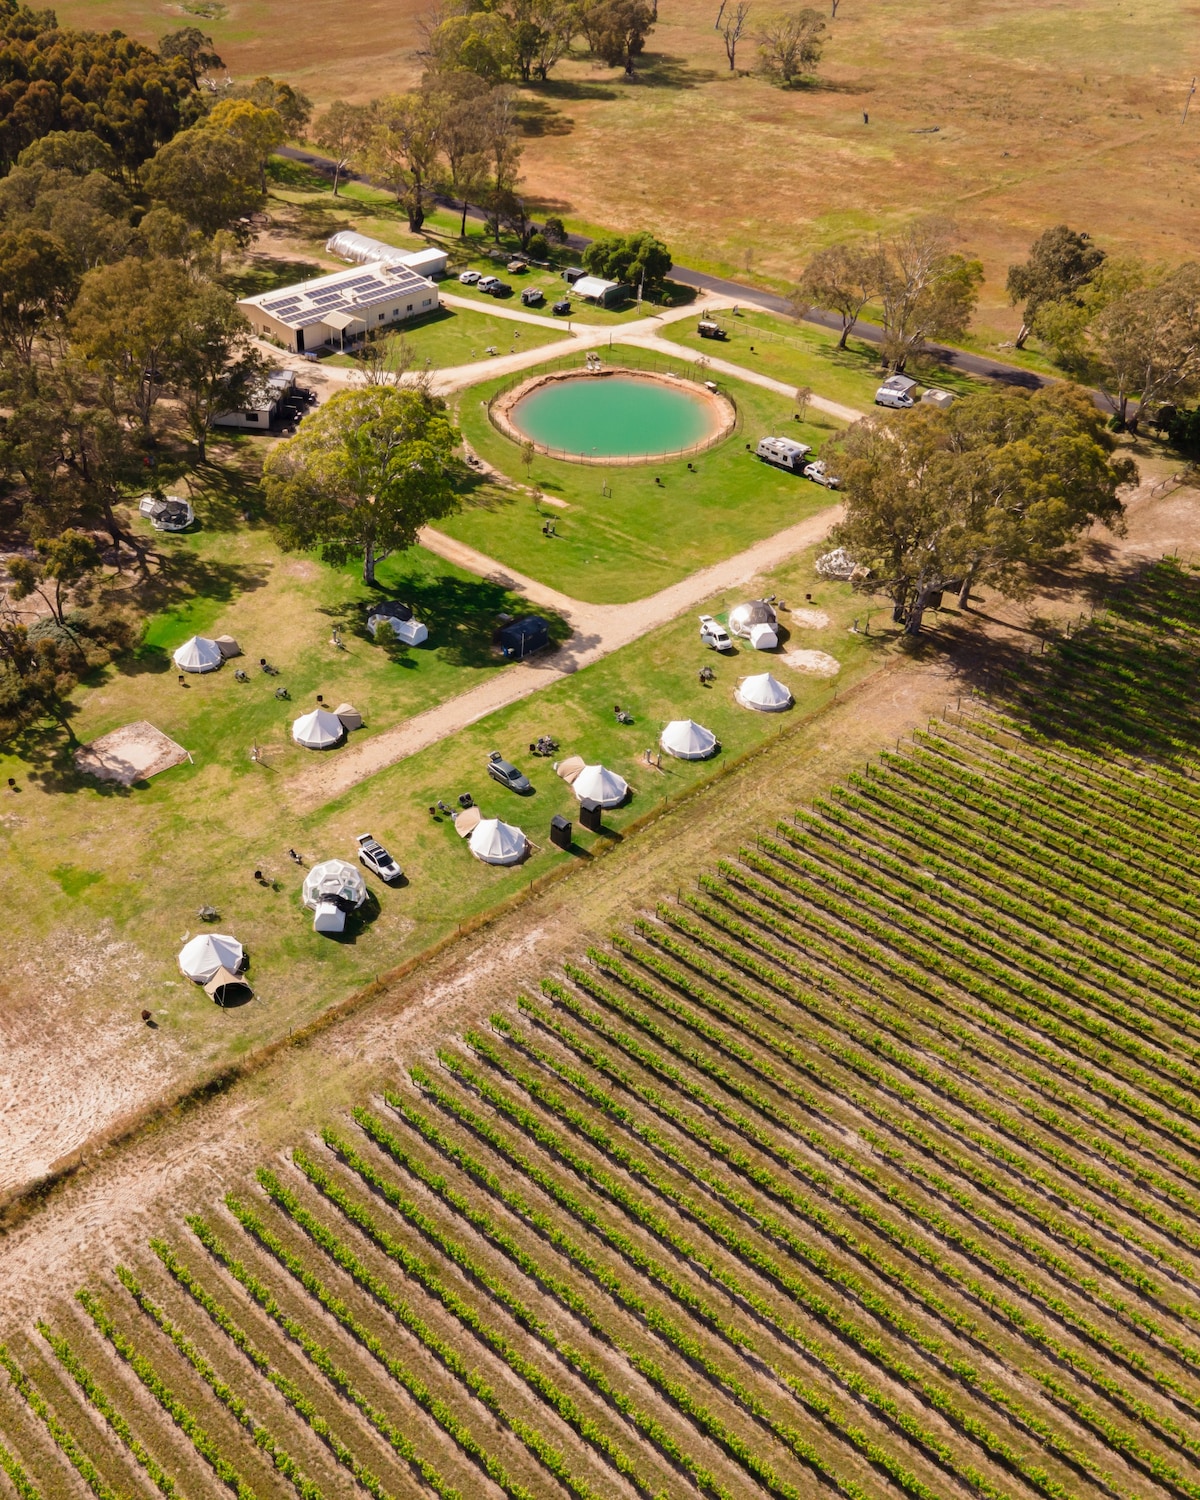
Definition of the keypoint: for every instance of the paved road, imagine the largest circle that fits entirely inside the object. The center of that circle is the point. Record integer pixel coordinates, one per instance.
(871, 333)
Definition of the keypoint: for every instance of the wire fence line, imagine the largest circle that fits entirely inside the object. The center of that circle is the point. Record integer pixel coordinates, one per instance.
(644, 363)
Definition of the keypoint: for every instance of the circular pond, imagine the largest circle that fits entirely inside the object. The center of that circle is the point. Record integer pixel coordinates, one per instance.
(614, 417)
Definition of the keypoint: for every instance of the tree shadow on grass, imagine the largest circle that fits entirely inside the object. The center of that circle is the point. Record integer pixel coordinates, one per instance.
(576, 88)
(537, 117)
(266, 273)
(661, 70)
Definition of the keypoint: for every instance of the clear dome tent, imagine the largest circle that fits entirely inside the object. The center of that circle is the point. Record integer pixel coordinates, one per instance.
(319, 730)
(743, 617)
(599, 784)
(330, 890)
(208, 953)
(198, 654)
(687, 740)
(497, 843)
(764, 693)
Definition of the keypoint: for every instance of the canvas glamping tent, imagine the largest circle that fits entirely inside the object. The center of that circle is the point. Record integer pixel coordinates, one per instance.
(687, 740)
(330, 890)
(599, 784)
(764, 693)
(199, 654)
(497, 843)
(208, 953)
(319, 730)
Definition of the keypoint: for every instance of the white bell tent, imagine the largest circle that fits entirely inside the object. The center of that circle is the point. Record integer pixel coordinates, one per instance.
(497, 843)
(764, 693)
(199, 654)
(687, 740)
(319, 730)
(599, 784)
(208, 953)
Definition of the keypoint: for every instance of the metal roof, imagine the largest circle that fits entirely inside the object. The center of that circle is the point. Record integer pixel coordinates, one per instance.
(352, 292)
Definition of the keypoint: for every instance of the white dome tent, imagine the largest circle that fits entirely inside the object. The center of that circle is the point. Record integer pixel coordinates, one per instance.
(687, 740)
(208, 953)
(599, 784)
(743, 617)
(319, 730)
(497, 843)
(199, 654)
(330, 890)
(764, 693)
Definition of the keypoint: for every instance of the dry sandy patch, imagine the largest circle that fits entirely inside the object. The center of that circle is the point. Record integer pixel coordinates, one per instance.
(814, 663)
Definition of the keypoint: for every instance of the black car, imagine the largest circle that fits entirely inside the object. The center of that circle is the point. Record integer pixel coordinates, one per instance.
(501, 289)
(507, 774)
(562, 308)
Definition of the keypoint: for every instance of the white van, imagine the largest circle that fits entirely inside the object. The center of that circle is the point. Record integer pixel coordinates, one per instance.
(896, 391)
(784, 453)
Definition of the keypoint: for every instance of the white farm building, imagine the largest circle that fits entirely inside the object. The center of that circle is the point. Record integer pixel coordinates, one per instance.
(340, 308)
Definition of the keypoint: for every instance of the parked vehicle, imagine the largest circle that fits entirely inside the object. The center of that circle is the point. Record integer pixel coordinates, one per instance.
(896, 392)
(784, 453)
(561, 308)
(500, 289)
(517, 265)
(468, 278)
(486, 283)
(819, 474)
(714, 634)
(376, 858)
(707, 329)
(533, 296)
(507, 774)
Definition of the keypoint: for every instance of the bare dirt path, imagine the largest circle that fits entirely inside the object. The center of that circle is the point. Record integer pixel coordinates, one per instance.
(596, 630)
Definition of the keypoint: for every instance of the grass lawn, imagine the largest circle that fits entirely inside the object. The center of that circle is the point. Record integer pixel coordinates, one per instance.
(459, 336)
(124, 873)
(804, 355)
(621, 536)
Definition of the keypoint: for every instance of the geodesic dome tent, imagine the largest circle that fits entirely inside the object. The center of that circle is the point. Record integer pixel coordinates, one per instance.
(764, 693)
(599, 784)
(319, 730)
(742, 617)
(198, 654)
(208, 953)
(497, 843)
(336, 881)
(687, 740)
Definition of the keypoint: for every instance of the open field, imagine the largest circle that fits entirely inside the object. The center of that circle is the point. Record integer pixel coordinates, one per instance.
(621, 535)
(458, 336)
(1009, 116)
(862, 1161)
(114, 880)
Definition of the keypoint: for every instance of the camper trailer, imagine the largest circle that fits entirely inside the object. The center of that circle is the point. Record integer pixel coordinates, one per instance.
(784, 453)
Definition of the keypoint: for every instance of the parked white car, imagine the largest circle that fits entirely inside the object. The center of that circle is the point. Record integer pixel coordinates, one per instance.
(377, 859)
(487, 283)
(819, 474)
(714, 634)
(468, 278)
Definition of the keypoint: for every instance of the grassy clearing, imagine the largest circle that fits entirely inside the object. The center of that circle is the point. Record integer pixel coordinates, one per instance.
(867, 1158)
(640, 536)
(456, 336)
(195, 835)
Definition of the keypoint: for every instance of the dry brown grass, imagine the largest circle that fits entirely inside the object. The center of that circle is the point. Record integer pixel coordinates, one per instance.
(1065, 109)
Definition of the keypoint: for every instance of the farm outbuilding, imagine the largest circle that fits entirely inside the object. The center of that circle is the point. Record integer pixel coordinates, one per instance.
(347, 244)
(520, 638)
(341, 308)
(596, 289)
(261, 403)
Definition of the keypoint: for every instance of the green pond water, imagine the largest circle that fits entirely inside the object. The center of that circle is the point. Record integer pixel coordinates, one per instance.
(614, 416)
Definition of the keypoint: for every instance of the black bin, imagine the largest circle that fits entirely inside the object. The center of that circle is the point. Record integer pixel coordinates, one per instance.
(560, 831)
(590, 814)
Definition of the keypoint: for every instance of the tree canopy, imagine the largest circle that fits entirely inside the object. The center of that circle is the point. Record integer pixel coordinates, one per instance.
(1061, 261)
(1001, 483)
(367, 470)
(633, 259)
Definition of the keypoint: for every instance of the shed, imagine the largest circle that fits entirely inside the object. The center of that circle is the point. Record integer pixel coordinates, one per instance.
(596, 289)
(522, 637)
(940, 399)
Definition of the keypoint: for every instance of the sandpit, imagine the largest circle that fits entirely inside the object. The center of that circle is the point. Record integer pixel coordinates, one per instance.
(132, 753)
(815, 663)
(810, 619)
